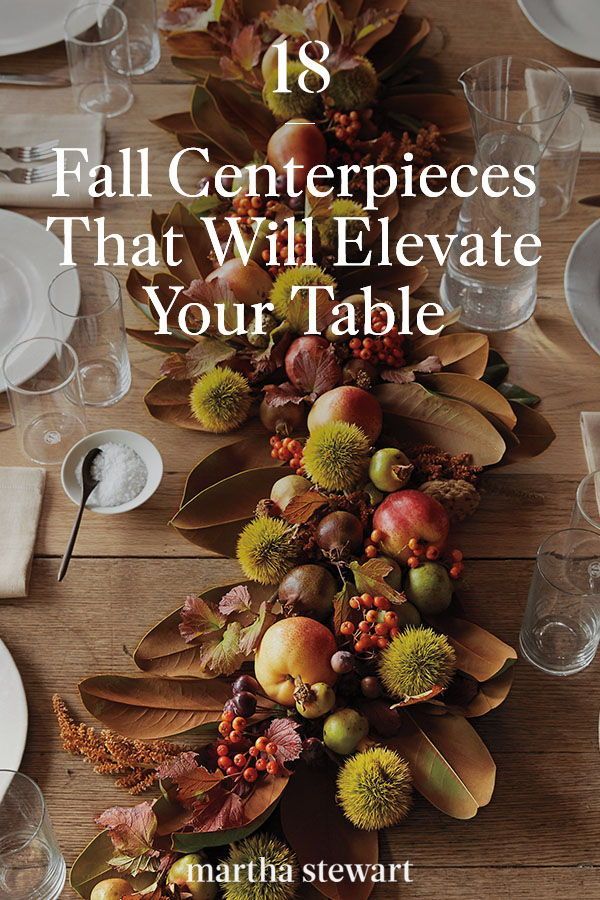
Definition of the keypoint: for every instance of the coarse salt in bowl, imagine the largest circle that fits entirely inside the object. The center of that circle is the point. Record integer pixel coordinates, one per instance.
(130, 478)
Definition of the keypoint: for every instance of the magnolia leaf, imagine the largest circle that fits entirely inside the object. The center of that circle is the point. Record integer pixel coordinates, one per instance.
(199, 619)
(223, 655)
(372, 574)
(453, 426)
(303, 506)
(250, 453)
(449, 763)
(147, 708)
(533, 432)
(209, 118)
(164, 343)
(191, 244)
(202, 357)
(447, 111)
(381, 277)
(237, 599)
(319, 833)
(176, 123)
(466, 353)
(168, 401)
(393, 54)
(284, 733)
(518, 394)
(496, 369)
(135, 288)
(132, 829)
(93, 865)
(265, 795)
(491, 694)
(407, 374)
(476, 393)
(478, 653)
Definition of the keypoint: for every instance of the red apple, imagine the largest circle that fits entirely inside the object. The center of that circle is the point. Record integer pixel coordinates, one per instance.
(410, 514)
(291, 648)
(314, 347)
(301, 141)
(348, 404)
(249, 284)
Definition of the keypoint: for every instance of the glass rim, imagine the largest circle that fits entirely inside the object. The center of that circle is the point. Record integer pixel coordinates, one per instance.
(85, 268)
(580, 488)
(541, 551)
(71, 39)
(52, 390)
(38, 791)
(523, 59)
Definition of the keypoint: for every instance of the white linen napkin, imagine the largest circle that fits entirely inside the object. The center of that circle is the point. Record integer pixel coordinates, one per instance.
(590, 432)
(588, 81)
(71, 130)
(21, 493)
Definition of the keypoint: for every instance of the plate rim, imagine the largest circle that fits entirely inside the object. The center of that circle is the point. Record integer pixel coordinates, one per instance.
(52, 34)
(55, 245)
(524, 6)
(577, 245)
(4, 651)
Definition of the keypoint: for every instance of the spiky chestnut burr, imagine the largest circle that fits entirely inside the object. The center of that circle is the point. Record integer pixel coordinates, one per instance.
(374, 789)
(274, 853)
(220, 400)
(336, 456)
(266, 550)
(417, 660)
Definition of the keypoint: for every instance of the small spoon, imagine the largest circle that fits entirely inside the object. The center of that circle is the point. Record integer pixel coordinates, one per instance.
(88, 485)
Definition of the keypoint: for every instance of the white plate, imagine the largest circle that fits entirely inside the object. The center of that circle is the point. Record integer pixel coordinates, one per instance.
(29, 24)
(30, 258)
(13, 713)
(582, 284)
(571, 24)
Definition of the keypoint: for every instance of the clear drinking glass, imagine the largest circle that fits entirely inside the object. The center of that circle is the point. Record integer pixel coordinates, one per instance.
(31, 864)
(96, 330)
(561, 625)
(514, 105)
(586, 509)
(144, 42)
(99, 61)
(558, 169)
(47, 406)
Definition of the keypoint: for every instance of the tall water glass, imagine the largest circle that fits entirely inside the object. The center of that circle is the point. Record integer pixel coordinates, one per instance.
(514, 105)
(561, 625)
(558, 170)
(31, 864)
(586, 509)
(99, 61)
(47, 406)
(142, 26)
(95, 329)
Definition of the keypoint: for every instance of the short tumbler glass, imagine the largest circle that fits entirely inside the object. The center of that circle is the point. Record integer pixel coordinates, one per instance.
(558, 169)
(96, 330)
(586, 509)
(99, 60)
(47, 406)
(31, 864)
(561, 625)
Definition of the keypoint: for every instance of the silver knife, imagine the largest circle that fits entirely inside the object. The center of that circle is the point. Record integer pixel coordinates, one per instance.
(35, 80)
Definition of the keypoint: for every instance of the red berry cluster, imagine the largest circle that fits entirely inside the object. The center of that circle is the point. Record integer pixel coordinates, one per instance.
(239, 756)
(371, 544)
(288, 450)
(282, 250)
(385, 350)
(248, 208)
(379, 624)
(423, 552)
(347, 126)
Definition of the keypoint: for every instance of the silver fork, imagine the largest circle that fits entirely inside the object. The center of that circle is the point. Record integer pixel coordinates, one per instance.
(32, 153)
(31, 175)
(590, 102)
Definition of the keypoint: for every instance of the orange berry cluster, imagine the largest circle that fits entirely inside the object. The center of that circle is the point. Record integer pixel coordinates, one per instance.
(238, 756)
(371, 544)
(422, 552)
(281, 244)
(248, 208)
(288, 450)
(386, 350)
(347, 126)
(377, 627)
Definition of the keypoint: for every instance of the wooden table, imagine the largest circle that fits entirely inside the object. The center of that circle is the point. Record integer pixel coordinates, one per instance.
(540, 836)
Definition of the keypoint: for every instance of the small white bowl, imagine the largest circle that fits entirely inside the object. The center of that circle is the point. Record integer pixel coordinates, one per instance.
(142, 446)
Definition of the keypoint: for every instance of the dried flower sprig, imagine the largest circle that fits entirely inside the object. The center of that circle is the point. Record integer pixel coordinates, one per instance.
(134, 762)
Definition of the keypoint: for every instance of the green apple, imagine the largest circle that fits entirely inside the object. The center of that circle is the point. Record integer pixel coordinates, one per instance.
(343, 730)
(429, 588)
(180, 873)
(319, 701)
(375, 495)
(390, 469)
(111, 889)
(407, 615)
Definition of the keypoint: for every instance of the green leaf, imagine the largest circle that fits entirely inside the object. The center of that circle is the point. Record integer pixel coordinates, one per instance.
(202, 205)
(496, 369)
(518, 394)
(251, 635)
(224, 655)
